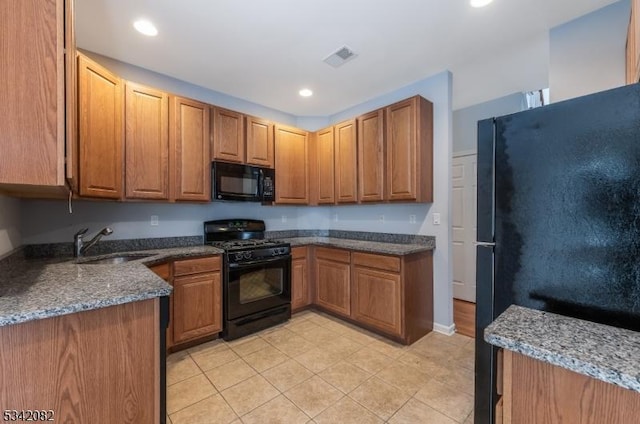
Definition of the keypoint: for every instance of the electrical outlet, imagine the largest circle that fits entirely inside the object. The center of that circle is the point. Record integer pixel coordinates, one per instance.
(381, 219)
(284, 218)
(154, 221)
(412, 219)
(436, 218)
(335, 217)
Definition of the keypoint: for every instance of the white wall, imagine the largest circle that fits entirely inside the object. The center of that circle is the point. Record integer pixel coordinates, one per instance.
(465, 121)
(10, 237)
(437, 89)
(588, 54)
(48, 221)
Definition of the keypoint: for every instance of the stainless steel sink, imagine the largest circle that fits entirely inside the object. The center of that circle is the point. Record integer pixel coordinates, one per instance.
(114, 260)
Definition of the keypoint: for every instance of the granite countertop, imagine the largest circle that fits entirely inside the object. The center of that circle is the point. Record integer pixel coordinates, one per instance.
(387, 248)
(32, 289)
(609, 354)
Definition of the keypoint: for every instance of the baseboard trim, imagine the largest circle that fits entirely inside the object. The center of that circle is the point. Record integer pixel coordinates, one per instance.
(444, 329)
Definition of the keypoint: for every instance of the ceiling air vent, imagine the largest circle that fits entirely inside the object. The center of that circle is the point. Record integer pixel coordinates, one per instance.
(340, 57)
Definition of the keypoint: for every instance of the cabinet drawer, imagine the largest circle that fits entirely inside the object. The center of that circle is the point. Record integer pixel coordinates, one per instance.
(387, 263)
(299, 252)
(336, 255)
(196, 266)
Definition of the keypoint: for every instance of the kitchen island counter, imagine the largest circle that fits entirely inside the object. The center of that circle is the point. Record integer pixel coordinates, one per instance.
(609, 354)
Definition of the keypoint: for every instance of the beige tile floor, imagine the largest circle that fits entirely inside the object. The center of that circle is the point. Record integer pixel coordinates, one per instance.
(318, 369)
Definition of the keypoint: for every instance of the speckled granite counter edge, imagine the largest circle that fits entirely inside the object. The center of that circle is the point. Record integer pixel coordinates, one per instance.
(18, 318)
(156, 257)
(512, 331)
(395, 249)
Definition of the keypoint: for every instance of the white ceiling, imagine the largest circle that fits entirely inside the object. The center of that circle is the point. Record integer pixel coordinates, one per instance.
(265, 51)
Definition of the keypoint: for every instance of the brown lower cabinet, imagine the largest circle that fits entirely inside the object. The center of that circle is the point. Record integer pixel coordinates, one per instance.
(97, 366)
(196, 302)
(300, 295)
(538, 392)
(392, 295)
(376, 296)
(333, 288)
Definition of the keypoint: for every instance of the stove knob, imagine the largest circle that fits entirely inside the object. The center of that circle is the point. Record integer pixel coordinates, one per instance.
(248, 255)
(238, 256)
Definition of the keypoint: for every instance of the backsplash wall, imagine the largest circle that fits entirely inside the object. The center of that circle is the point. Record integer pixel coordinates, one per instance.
(48, 221)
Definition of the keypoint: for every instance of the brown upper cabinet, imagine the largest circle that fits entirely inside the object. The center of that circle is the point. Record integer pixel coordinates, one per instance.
(322, 164)
(346, 162)
(371, 156)
(409, 150)
(241, 138)
(292, 168)
(166, 139)
(227, 131)
(32, 111)
(146, 143)
(189, 147)
(100, 135)
(259, 142)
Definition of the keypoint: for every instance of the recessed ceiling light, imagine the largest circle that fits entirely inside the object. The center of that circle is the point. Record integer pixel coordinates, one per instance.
(145, 27)
(305, 92)
(480, 3)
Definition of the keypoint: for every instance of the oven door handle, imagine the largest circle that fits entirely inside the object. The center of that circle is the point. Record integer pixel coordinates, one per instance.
(259, 262)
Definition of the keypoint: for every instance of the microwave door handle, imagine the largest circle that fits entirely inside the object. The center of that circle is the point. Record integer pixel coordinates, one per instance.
(261, 184)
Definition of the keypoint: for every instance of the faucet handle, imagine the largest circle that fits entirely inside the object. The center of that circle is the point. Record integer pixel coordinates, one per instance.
(81, 233)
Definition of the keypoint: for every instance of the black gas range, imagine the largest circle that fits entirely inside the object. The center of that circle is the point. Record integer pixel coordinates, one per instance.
(256, 276)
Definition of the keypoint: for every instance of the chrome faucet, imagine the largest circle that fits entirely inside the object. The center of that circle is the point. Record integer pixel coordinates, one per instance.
(79, 247)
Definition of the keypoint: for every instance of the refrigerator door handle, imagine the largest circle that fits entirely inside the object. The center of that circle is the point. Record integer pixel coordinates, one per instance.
(484, 244)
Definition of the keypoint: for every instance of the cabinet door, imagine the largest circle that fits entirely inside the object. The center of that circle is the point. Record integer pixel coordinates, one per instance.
(259, 142)
(401, 151)
(146, 143)
(101, 132)
(377, 299)
(299, 278)
(32, 112)
(409, 150)
(346, 162)
(197, 301)
(190, 150)
(324, 166)
(333, 286)
(292, 181)
(371, 157)
(228, 135)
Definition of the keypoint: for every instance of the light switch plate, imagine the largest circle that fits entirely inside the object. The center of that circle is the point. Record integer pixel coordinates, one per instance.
(436, 218)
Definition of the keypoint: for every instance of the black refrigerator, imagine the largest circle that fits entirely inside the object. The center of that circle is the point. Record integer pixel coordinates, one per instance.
(558, 218)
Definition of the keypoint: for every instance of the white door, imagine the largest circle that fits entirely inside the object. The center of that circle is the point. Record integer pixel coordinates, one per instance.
(464, 206)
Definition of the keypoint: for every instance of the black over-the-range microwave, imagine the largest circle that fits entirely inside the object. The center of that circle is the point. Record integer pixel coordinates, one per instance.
(234, 181)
